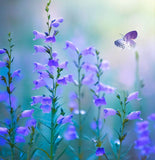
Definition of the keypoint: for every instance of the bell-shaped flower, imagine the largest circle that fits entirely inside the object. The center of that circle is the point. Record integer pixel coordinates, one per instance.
(39, 66)
(105, 88)
(56, 22)
(51, 39)
(53, 62)
(19, 139)
(39, 48)
(43, 74)
(134, 115)
(133, 96)
(39, 83)
(64, 119)
(31, 122)
(63, 65)
(100, 151)
(46, 101)
(27, 113)
(88, 51)
(16, 73)
(2, 64)
(23, 130)
(71, 46)
(109, 112)
(152, 117)
(45, 108)
(3, 130)
(38, 35)
(36, 100)
(88, 80)
(2, 51)
(99, 101)
(70, 133)
(89, 67)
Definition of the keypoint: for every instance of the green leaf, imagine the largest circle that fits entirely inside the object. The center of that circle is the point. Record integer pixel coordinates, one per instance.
(59, 156)
(42, 151)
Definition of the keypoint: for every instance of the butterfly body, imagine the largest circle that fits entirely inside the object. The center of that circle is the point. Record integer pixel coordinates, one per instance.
(127, 40)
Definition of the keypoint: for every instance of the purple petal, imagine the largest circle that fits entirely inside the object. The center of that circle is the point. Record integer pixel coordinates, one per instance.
(36, 100)
(23, 130)
(70, 133)
(39, 83)
(27, 113)
(105, 88)
(88, 51)
(19, 139)
(3, 130)
(63, 65)
(16, 73)
(89, 67)
(109, 112)
(94, 124)
(38, 35)
(133, 96)
(39, 66)
(46, 108)
(51, 39)
(134, 115)
(87, 80)
(39, 48)
(105, 65)
(71, 46)
(62, 81)
(43, 75)
(152, 117)
(46, 101)
(53, 62)
(100, 101)
(64, 119)
(142, 126)
(2, 64)
(31, 122)
(100, 151)
(2, 51)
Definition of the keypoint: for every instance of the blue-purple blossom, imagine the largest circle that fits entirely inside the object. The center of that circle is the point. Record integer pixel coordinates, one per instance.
(2, 51)
(63, 65)
(152, 117)
(141, 142)
(2, 141)
(89, 67)
(16, 73)
(56, 22)
(39, 66)
(64, 119)
(43, 74)
(45, 108)
(22, 130)
(53, 62)
(100, 151)
(99, 101)
(51, 39)
(89, 79)
(88, 51)
(27, 113)
(39, 48)
(3, 130)
(94, 124)
(105, 88)
(31, 122)
(133, 96)
(134, 115)
(2, 64)
(142, 126)
(109, 112)
(62, 81)
(19, 139)
(46, 101)
(71, 46)
(104, 65)
(36, 100)
(70, 133)
(39, 83)
(38, 35)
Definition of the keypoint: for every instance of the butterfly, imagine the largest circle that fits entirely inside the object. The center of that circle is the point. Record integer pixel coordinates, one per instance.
(127, 40)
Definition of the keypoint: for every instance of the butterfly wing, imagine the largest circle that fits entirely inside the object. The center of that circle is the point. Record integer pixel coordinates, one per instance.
(130, 35)
(120, 43)
(131, 43)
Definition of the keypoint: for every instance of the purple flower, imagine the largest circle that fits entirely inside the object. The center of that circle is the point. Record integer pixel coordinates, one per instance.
(19, 139)
(88, 51)
(109, 112)
(89, 67)
(104, 65)
(38, 35)
(39, 83)
(22, 130)
(62, 81)
(100, 101)
(45, 108)
(100, 151)
(39, 48)
(73, 105)
(69, 78)
(51, 39)
(3, 130)
(27, 113)
(141, 142)
(71, 46)
(31, 122)
(38, 66)
(2, 51)
(152, 117)
(63, 65)
(56, 22)
(36, 100)
(94, 124)
(133, 96)
(2, 141)
(87, 80)
(64, 119)
(43, 74)
(16, 73)
(70, 133)
(46, 101)
(53, 62)
(2, 64)
(134, 115)
(142, 126)
(105, 88)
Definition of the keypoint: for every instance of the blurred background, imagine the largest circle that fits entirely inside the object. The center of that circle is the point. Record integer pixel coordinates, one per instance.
(96, 23)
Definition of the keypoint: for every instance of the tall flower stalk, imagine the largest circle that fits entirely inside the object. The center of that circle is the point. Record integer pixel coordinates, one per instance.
(50, 78)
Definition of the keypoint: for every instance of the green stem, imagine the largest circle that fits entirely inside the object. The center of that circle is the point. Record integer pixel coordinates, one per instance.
(79, 106)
